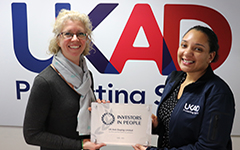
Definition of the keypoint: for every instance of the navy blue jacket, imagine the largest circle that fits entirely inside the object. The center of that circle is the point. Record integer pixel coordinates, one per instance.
(203, 116)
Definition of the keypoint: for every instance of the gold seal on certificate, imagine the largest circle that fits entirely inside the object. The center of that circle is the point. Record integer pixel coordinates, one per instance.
(121, 124)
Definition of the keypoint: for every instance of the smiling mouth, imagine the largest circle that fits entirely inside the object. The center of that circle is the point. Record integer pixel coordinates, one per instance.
(187, 61)
(74, 47)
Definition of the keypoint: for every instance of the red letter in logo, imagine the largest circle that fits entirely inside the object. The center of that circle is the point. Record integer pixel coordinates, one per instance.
(142, 16)
(173, 14)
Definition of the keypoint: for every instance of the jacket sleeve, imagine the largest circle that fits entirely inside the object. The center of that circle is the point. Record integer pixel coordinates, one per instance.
(37, 110)
(217, 122)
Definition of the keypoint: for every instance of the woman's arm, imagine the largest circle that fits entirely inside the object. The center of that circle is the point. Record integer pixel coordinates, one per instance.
(34, 128)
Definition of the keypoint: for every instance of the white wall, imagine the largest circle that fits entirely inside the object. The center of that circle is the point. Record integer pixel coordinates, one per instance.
(106, 37)
(11, 138)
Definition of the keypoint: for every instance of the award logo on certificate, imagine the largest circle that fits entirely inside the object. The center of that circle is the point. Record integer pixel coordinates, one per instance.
(121, 124)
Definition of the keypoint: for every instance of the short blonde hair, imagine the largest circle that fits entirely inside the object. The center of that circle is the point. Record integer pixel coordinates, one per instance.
(62, 17)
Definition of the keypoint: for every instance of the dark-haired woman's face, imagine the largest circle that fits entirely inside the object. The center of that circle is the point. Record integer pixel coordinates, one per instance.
(193, 52)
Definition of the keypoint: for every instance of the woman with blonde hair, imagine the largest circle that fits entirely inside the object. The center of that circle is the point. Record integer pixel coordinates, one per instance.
(57, 115)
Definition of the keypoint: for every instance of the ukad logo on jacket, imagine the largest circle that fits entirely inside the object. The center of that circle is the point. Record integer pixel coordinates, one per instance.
(191, 108)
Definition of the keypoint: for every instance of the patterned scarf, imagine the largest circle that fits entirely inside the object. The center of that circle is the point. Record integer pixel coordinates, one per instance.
(80, 78)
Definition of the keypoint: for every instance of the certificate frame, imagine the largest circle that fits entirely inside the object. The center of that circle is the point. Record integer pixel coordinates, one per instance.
(121, 124)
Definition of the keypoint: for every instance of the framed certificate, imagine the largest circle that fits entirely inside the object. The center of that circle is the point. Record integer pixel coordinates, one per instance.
(121, 124)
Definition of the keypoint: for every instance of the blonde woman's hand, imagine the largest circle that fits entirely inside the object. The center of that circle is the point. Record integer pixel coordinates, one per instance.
(92, 146)
(99, 101)
(102, 101)
(139, 147)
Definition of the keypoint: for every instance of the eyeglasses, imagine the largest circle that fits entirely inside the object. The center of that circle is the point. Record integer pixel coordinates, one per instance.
(68, 35)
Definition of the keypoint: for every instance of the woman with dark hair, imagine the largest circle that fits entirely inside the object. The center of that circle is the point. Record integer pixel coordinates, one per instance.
(197, 107)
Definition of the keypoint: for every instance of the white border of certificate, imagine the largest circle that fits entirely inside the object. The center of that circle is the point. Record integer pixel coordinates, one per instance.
(121, 124)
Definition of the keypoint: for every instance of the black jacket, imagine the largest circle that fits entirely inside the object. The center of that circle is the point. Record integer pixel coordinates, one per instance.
(203, 116)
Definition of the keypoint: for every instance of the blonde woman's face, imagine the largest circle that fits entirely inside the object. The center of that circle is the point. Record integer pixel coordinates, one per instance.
(73, 47)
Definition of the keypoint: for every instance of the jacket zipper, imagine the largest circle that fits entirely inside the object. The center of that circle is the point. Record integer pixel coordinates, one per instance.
(215, 126)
